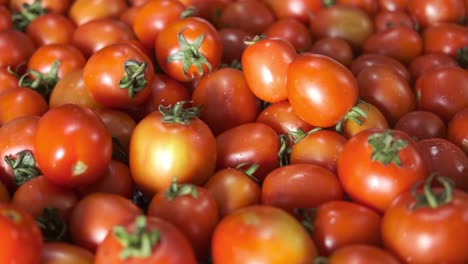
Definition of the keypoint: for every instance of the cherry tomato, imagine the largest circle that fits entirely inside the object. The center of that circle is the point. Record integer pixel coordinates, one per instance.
(421, 125)
(393, 5)
(291, 30)
(119, 124)
(62, 252)
(5, 18)
(53, 6)
(51, 28)
(4, 194)
(447, 11)
(233, 43)
(335, 48)
(297, 9)
(428, 62)
(445, 37)
(369, 6)
(83, 11)
(384, 20)
(366, 60)
(361, 253)
(16, 48)
(457, 130)
(21, 102)
(367, 116)
(8, 81)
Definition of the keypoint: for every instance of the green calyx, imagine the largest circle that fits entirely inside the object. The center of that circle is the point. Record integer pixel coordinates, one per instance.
(249, 171)
(254, 40)
(23, 165)
(328, 3)
(462, 57)
(52, 226)
(307, 217)
(175, 190)
(190, 54)
(28, 13)
(356, 115)
(134, 78)
(140, 242)
(178, 113)
(44, 83)
(429, 198)
(385, 147)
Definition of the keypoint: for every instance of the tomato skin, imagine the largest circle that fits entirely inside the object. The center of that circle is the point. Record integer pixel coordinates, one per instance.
(375, 119)
(233, 43)
(421, 125)
(393, 5)
(8, 81)
(315, 83)
(248, 143)
(362, 253)
(457, 130)
(4, 194)
(371, 182)
(119, 123)
(291, 30)
(238, 238)
(62, 252)
(368, 59)
(335, 48)
(21, 237)
(16, 48)
(452, 11)
(428, 232)
(51, 28)
(83, 11)
(53, 6)
(428, 62)
(5, 18)
(297, 9)
(300, 186)
(72, 145)
(384, 20)
(445, 37)
(21, 102)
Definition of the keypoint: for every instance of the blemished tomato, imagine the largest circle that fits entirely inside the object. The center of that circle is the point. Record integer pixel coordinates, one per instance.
(181, 202)
(376, 165)
(367, 60)
(297, 9)
(291, 30)
(118, 76)
(21, 237)
(248, 143)
(240, 238)
(431, 219)
(173, 142)
(421, 125)
(83, 11)
(335, 48)
(225, 99)
(265, 64)
(154, 240)
(188, 49)
(452, 11)
(21, 102)
(72, 145)
(428, 62)
(63, 252)
(16, 48)
(320, 90)
(300, 186)
(96, 214)
(51, 28)
(336, 224)
(361, 253)
(457, 130)
(367, 116)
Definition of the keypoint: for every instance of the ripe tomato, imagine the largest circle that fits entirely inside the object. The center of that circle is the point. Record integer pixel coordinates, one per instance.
(393, 5)
(361, 253)
(146, 240)
(291, 30)
(335, 48)
(8, 81)
(452, 11)
(297, 9)
(421, 125)
(445, 37)
(186, 201)
(265, 64)
(364, 116)
(21, 102)
(300, 186)
(83, 11)
(62, 252)
(376, 165)
(175, 143)
(118, 76)
(321, 90)
(119, 123)
(4, 194)
(51, 28)
(72, 145)
(225, 99)
(384, 20)
(369, 6)
(430, 219)
(53, 6)
(21, 237)
(233, 43)
(5, 18)
(16, 48)
(457, 130)
(428, 62)
(366, 60)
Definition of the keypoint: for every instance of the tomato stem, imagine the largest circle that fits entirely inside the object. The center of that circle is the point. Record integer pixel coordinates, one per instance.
(249, 171)
(284, 151)
(43, 83)
(356, 115)
(175, 190)
(28, 13)
(134, 77)
(140, 242)
(52, 226)
(328, 3)
(179, 114)
(429, 198)
(23, 165)
(255, 39)
(385, 147)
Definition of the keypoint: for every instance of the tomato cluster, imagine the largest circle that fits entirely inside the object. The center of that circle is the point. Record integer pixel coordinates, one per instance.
(233, 131)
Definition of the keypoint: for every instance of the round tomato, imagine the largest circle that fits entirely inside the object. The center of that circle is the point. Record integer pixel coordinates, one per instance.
(453, 11)
(233, 43)
(368, 59)
(428, 62)
(62, 252)
(457, 130)
(83, 11)
(16, 48)
(390, 19)
(297, 9)
(421, 125)
(335, 48)
(361, 253)
(291, 30)
(364, 116)
(26, 102)
(51, 28)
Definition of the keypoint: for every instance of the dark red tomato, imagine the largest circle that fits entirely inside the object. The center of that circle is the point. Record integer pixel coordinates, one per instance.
(200, 8)
(21, 102)
(428, 62)
(368, 116)
(15, 136)
(21, 237)
(240, 237)
(8, 81)
(5, 18)
(166, 243)
(16, 48)
(234, 188)
(118, 76)
(393, 5)
(452, 11)
(337, 224)
(297, 9)
(226, 100)
(445, 37)
(421, 125)
(447, 159)
(321, 90)
(51, 28)
(71, 89)
(72, 145)
(233, 42)
(361, 253)
(5, 195)
(265, 64)
(291, 30)
(369, 6)
(401, 43)
(119, 123)
(117, 180)
(384, 20)
(377, 165)
(192, 34)
(182, 202)
(341, 21)
(281, 117)
(457, 130)
(63, 252)
(96, 214)
(248, 143)
(335, 48)
(153, 17)
(97, 34)
(83, 11)
(250, 15)
(53, 6)
(321, 147)
(366, 60)
(384, 88)
(430, 222)
(443, 91)
(300, 186)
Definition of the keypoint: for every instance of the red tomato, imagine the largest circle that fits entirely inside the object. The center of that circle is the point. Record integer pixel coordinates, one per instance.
(376, 165)
(53, 6)
(384, 20)
(291, 30)
(240, 237)
(8, 81)
(361, 253)
(445, 37)
(233, 43)
(72, 145)
(366, 60)
(16, 48)
(51, 28)
(5, 18)
(335, 48)
(21, 102)
(62, 252)
(428, 62)
(364, 116)
(297, 9)
(453, 11)
(457, 130)
(369, 6)
(83, 11)
(119, 123)
(321, 90)
(154, 240)
(393, 5)
(4, 194)
(421, 125)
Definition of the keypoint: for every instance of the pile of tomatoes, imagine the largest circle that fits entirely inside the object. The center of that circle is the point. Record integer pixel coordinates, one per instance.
(233, 131)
